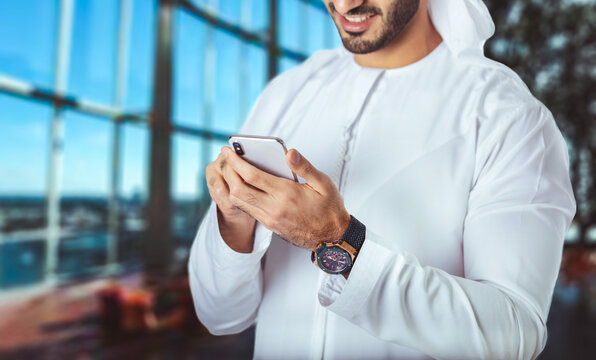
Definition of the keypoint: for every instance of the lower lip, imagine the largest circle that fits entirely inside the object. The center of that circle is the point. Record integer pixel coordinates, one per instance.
(355, 27)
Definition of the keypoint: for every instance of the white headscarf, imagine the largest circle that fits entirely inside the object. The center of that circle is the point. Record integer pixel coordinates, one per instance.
(464, 25)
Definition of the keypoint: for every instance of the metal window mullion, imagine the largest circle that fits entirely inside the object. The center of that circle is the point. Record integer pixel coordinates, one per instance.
(243, 60)
(304, 34)
(56, 140)
(248, 36)
(272, 41)
(209, 93)
(25, 90)
(158, 242)
(120, 90)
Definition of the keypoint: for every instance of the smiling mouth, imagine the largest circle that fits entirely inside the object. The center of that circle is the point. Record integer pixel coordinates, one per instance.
(355, 24)
(357, 19)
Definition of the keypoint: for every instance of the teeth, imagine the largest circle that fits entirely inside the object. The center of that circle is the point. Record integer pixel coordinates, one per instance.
(357, 19)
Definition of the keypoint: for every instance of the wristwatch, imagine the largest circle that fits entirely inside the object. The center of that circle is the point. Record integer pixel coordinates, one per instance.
(337, 257)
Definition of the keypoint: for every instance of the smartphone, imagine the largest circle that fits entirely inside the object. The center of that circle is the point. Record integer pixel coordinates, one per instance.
(264, 152)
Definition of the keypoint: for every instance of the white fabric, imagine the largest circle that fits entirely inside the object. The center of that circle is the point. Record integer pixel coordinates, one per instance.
(464, 25)
(460, 176)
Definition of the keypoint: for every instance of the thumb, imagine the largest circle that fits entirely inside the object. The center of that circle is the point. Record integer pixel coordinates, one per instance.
(303, 168)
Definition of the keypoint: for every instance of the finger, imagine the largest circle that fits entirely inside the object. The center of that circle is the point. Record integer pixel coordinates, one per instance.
(218, 189)
(303, 168)
(251, 174)
(239, 190)
(247, 202)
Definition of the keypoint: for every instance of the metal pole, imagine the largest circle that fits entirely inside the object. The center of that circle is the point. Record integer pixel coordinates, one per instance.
(119, 96)
(158, 247)
(57, 137)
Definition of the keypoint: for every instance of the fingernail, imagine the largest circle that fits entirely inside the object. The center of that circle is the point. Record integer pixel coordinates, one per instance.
(295, 158)
(224, 152)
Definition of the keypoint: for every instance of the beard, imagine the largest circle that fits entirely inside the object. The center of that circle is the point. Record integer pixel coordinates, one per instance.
(399, 14)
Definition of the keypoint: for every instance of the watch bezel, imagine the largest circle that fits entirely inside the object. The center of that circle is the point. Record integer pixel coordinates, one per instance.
(335, 248)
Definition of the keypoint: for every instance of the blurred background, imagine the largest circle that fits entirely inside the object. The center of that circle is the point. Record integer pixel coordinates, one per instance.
(111, 109)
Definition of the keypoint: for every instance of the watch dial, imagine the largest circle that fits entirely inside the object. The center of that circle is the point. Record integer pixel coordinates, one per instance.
(335, 261)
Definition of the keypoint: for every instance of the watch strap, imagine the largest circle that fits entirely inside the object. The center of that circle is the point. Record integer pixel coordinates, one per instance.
(355, 234)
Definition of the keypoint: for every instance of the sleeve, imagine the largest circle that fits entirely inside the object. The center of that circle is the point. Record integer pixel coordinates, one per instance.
(226, 285)
(519, 208)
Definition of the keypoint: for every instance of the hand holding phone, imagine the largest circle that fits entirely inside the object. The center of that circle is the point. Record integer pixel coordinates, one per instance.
(264, 152)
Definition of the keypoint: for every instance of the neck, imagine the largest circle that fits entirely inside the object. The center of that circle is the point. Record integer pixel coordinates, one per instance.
(414, 42)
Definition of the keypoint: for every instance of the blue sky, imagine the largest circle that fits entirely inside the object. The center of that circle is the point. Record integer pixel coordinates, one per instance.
(27, 52)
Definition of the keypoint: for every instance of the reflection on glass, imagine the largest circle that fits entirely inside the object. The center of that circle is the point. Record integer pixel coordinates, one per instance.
(332, 39)
(316, 36)
(81, 254)
(189, 192)
(27, 49)
(141, 54)
(22, 261)
(135, 152)
(87, 150)
(259, 15)
(291, 24)
(256, 62)
(24, 127)
(24, 147)
(93, 50)
(231, 10)
(203, 3)
(285, 64)
(84, 207)
(186, 165)
(226, 113)
(133, 193)
(215, 148)
(189, 69)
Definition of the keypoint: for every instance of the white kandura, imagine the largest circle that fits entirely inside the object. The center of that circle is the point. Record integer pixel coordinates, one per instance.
(461, 178)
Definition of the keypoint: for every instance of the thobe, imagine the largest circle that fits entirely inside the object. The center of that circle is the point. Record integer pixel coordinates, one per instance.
(461, 178)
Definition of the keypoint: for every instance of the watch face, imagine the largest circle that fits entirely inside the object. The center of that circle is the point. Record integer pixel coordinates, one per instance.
(334, 260)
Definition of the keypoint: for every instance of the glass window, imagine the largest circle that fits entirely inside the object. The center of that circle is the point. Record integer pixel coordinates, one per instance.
(291, 24)
(133, 192)
(93, 50)
(141, 55)
(215, 148)
(202, 3)
(286, 63)
(87, 151)
(259, 15)
(230, 10)
(305, 28)
(27, 49)
(316, 29)
(134, 162)
(82, 254)
(255, 64)
(24, 129)
(332, 38)
(190, 156)
(226, 112)
(189, 69)
(22, 262)
(186, 165)
(252, 15)
(83, 207)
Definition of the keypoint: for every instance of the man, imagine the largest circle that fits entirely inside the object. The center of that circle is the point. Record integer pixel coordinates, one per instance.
(444, 178)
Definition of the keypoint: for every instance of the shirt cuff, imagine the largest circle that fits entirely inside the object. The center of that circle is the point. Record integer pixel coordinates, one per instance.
(345, 297)
(226, 257)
